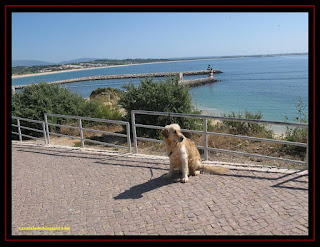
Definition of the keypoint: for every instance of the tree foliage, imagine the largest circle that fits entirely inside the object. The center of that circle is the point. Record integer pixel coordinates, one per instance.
(37, 99)
(164, 96)
(246, 128)
(297, 134)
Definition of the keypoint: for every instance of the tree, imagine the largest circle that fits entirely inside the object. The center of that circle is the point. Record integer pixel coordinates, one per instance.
(163, 96)
(37, 99)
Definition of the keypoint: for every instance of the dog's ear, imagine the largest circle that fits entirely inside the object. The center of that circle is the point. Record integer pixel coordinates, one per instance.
(165, 133)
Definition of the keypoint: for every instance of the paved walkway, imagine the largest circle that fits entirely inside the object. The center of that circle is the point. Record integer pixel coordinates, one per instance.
(94, 193)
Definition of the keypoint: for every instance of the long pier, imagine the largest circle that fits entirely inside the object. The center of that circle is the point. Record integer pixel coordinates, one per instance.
(128, 76)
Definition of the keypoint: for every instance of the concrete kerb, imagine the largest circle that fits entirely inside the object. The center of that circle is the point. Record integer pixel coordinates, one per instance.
(229, 165)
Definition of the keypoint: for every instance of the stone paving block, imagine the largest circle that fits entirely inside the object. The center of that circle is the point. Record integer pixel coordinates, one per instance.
(101, 193)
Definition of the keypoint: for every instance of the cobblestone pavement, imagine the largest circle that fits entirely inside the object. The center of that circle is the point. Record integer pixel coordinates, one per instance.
(105, 193)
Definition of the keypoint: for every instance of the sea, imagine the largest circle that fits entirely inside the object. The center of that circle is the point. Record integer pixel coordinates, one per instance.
(272, 85)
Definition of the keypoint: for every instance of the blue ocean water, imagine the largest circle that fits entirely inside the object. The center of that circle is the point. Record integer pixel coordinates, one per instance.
(271, 85)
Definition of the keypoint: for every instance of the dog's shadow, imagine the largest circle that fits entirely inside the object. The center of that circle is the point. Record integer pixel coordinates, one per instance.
(137, 191)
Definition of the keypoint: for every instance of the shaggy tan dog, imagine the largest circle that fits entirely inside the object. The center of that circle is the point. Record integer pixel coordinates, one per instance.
(184, 155)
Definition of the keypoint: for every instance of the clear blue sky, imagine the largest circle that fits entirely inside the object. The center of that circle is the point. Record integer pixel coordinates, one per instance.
(56, 37)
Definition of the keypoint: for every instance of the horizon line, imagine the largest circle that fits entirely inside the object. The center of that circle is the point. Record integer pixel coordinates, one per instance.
(187, 57)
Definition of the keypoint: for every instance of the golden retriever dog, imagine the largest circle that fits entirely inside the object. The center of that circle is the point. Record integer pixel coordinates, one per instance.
(184, 155)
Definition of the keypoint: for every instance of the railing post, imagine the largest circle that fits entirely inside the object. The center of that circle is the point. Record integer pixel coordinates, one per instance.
(134, 133)
(81, 133)
(205, 137)
(19, 130)
(128, 137)
(47, 128)
(307, 150)
(44, 132)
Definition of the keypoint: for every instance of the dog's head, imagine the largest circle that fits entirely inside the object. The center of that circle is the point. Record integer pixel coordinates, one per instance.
(173, 132)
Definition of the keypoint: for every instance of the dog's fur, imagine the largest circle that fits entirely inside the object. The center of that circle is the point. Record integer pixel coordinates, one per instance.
(184, 155)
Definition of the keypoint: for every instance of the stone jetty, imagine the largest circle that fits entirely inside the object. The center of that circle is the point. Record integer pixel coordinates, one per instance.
(128, 76)
(198, 82)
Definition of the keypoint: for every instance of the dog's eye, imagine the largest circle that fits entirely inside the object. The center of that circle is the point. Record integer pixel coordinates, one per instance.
(175, 132)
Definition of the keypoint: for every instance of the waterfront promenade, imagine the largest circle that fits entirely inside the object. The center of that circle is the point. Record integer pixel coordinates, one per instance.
(114, 194)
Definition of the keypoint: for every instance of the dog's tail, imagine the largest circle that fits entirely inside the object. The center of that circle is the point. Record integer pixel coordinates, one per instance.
(212, 169)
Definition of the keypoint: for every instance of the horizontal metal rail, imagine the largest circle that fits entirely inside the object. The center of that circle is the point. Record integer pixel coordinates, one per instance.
(171, 114)
(149, 139)
(27, 120)
(104, 132)
(27, 128)
(32, 137)
(228, 135)
(206, 133)
(63, 135)
(255, 155)
(251, 138)
(161, 128)
(19, 126)
(87, 118)
(64, 126)
(82, 129)
(105, 144)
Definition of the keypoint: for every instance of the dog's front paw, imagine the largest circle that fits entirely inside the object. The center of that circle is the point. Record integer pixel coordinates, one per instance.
(168, 175)
(184, 180)
(196, 173)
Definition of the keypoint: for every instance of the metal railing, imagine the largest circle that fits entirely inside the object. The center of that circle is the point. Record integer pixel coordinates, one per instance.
(206, 133)
(81, 129)
(46, 132)
(19, 126)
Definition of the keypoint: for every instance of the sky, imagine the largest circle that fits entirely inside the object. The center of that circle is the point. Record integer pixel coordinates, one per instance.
(56, 37)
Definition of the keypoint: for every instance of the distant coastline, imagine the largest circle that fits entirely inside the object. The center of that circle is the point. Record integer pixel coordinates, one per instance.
(170, 61)
(58, 72)
(103, 67)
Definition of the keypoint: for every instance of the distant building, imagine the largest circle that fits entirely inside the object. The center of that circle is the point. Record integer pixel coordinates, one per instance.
(46, 70)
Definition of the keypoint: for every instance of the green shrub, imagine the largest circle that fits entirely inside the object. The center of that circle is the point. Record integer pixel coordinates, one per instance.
(35, 100)
(297, 134)
(246, 128)
(162, 96)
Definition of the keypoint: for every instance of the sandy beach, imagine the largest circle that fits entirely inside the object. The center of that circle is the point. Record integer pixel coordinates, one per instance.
(61, 71)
